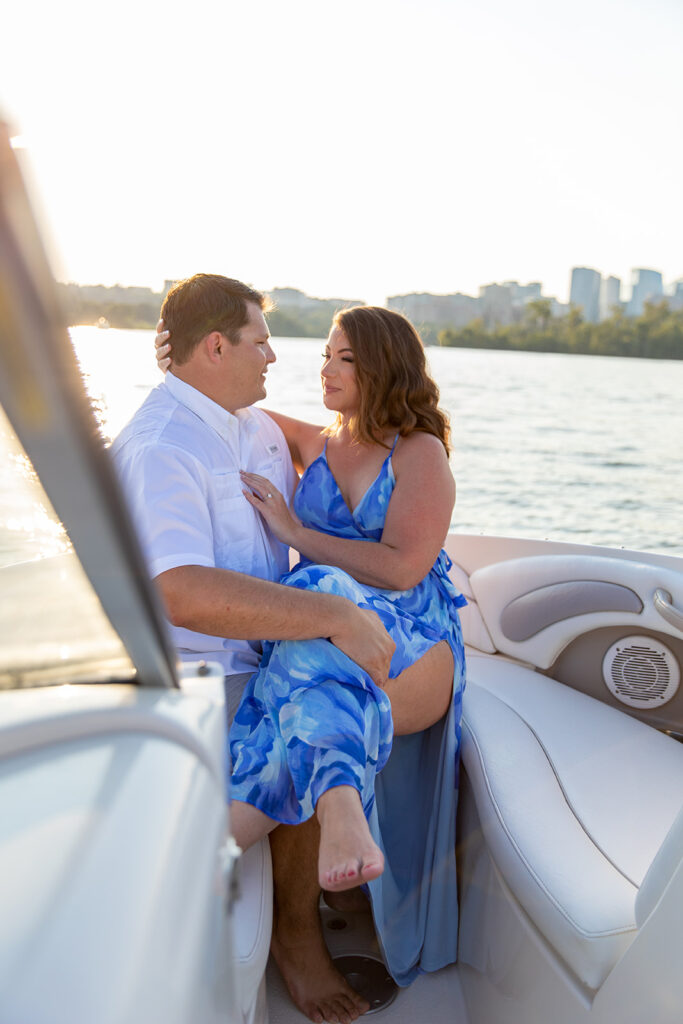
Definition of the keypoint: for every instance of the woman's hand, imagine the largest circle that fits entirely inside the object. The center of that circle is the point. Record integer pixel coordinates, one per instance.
(267, 500)
(163, 348)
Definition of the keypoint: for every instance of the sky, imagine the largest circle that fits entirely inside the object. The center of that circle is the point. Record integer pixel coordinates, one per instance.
(357, 150)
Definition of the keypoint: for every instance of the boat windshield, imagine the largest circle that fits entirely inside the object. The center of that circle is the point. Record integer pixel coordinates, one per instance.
(52, 626)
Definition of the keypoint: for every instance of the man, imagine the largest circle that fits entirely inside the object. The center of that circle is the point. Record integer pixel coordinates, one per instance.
(214, 561)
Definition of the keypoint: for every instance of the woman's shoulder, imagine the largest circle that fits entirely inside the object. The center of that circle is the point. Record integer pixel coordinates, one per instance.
(420, 456)
(420, 445)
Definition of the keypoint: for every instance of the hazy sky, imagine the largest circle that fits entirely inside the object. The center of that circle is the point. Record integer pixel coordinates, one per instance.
(355, 149)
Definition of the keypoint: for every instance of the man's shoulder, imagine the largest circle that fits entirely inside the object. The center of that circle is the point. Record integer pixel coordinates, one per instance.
(160, 421)
(265, 427)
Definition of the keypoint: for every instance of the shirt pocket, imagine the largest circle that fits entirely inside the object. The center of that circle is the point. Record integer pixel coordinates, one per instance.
(233, 523)
(274, 469)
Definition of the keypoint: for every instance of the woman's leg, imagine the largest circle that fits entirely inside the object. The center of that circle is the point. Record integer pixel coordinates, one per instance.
(422, 693)
(348, 854)
(248, 825)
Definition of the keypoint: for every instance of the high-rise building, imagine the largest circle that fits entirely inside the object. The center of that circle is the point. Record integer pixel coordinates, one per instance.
(495, 301)
(610, 296)
(585, 292)
(522, 293)
(647, 285)
(676, 300)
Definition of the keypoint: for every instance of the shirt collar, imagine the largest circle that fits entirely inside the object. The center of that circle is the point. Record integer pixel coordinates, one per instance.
(226, 424)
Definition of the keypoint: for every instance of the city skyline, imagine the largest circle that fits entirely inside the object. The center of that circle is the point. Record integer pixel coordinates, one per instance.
(397, 146)
(624, 292)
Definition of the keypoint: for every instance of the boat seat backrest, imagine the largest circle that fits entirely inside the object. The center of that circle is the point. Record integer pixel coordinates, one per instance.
(534, 607)
(474, 631)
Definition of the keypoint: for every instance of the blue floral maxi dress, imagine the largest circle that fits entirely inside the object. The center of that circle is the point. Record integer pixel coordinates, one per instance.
(310, 719)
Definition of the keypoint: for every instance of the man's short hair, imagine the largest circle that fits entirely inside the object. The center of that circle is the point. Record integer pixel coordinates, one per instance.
(204, 303)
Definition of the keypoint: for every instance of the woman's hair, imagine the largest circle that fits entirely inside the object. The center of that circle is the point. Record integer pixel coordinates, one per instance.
(396, 391)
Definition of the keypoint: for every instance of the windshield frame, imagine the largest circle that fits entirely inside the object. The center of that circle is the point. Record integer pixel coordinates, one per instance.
(44, 398)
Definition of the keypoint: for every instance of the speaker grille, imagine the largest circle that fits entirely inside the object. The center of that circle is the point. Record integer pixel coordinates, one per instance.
(641, 672)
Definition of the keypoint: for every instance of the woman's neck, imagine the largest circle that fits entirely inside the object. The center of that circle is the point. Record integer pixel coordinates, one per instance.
(345, 435)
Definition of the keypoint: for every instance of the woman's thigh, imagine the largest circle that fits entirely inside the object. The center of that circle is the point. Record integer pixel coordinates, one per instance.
(421, 694)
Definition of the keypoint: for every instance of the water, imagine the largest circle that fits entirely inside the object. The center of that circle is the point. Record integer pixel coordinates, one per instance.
(553, 446)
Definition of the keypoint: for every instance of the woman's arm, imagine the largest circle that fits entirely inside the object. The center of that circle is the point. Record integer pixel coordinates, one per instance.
(416, 525)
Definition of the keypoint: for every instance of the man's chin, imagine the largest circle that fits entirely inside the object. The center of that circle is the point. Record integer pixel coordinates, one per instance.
(257, 396)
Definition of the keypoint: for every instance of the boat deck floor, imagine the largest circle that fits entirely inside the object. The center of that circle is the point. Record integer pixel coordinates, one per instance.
(433, 999)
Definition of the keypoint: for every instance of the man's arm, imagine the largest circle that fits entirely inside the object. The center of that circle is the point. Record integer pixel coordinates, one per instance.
(230, 604)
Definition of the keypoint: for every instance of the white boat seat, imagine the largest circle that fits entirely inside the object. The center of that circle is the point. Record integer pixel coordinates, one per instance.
(575, 800)
(253, 918)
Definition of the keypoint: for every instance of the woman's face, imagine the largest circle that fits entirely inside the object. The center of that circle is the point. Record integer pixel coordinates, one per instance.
(340, 386)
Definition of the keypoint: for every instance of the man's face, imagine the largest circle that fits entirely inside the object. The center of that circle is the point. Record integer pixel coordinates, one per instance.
(245, 365)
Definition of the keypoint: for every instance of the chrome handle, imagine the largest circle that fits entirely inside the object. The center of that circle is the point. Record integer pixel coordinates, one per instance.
(663, 602)
(229, 858)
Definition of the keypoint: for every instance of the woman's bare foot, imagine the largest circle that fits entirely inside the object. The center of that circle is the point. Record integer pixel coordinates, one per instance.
(348, 854)
(315, 985)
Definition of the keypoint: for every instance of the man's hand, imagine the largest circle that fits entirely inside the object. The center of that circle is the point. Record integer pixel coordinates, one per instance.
(221, 602)
(366, 642)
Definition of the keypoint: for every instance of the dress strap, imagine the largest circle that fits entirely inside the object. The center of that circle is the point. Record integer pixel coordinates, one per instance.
(395, 443)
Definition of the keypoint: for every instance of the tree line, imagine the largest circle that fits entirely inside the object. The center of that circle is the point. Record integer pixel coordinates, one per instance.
(286, 322)
(656, 334)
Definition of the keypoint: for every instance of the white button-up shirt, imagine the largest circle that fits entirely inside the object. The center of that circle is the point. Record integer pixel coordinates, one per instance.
(179, 460)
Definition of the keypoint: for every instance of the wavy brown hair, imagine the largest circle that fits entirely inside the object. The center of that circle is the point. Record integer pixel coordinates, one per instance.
(396, 391)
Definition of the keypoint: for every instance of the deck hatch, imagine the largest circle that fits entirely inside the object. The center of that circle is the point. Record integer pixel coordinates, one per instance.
(369, 977)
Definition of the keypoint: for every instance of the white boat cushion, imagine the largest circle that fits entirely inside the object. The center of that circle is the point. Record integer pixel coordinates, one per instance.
(575, 799)
(253, 919)
(661, 871)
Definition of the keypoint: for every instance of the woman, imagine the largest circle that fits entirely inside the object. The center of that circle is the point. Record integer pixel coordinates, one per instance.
(374, 501)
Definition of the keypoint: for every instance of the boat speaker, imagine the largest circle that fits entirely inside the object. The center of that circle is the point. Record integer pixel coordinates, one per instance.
(640, 672)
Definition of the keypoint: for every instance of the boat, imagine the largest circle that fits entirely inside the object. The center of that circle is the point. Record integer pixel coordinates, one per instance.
(123, 898)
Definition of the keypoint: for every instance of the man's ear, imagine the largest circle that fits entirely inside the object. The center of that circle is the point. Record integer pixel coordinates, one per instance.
(214, 346)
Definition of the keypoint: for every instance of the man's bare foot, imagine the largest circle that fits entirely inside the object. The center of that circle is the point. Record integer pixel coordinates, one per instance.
(348, 853)
(316, 987)
(348, 901)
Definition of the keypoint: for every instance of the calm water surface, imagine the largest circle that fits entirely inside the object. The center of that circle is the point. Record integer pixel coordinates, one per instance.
(582, 448)
(578, 448)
